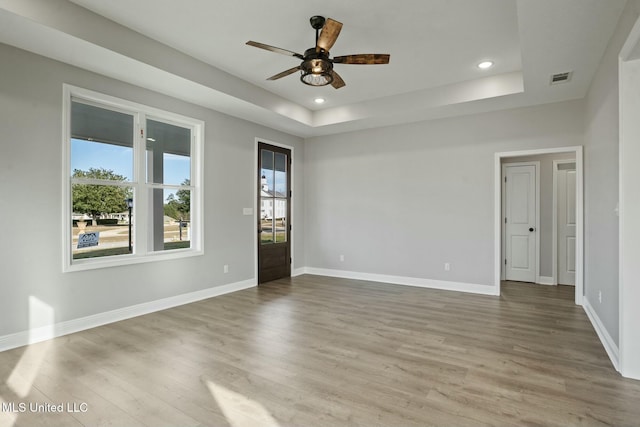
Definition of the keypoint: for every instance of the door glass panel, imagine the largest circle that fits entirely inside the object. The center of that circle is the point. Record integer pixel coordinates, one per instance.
(267, 172)
(266, 220)
(280, 173)
(274, 190)
(280, 220)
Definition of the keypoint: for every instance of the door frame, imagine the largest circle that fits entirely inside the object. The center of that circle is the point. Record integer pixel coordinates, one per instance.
(256, 208)
(554, 231)
(629, 207)
(536, 165)
(497, 240)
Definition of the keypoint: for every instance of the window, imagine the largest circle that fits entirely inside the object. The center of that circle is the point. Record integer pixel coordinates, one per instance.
(131, 182)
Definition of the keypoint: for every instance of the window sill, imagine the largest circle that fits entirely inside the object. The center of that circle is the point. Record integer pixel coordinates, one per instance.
(122, 260)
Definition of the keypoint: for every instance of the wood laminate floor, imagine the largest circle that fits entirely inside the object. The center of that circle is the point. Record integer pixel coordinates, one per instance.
(317, 351)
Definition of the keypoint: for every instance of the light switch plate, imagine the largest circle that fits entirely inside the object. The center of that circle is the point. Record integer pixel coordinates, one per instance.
(247, 211)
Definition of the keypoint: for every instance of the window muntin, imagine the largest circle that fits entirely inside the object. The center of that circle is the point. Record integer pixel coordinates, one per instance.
(119, 152)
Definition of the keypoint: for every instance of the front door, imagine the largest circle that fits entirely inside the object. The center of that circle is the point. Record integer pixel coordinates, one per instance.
(274, 200)
(566, 224)
(520, 223)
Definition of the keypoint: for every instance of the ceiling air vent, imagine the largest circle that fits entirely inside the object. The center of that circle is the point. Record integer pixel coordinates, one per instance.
(561, 77)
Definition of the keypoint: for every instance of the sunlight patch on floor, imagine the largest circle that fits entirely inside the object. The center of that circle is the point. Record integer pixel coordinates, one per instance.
(41, 327)
(239, 410)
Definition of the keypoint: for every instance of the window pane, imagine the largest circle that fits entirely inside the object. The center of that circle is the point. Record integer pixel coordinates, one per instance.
(280, 220)
(170, 219)
(168, 153)
(100, 124)
(101, 139)
(100, 221)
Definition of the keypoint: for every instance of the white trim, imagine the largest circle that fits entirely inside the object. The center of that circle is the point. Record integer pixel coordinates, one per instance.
(628, 208)
(139, 185)
(546, 280)
(554, 227)
(536, 165)
(607, 342)
(579, 226)
(256, 207)
(405, 281)
(298, 272)
(44, 333)
(497, 229)
(66, 184)
(497, 197)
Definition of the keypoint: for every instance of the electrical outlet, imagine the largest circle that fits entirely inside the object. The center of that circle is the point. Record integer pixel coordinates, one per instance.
(447, 266)
(225, 268)
(600, 296)
(341, 258)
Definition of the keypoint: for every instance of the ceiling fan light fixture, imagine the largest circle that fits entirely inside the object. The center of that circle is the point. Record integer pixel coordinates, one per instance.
(316, 68)
(321, 79)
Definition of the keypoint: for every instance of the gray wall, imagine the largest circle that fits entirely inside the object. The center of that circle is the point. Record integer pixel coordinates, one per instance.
(601, 179)
(31, 200)
(404, 200)
(398, 200)
(546, 205)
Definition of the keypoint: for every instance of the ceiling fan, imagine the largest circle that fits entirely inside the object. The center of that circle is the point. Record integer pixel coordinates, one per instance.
(317, 66)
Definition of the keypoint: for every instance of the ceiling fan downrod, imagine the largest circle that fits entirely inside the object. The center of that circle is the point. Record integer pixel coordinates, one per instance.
(317, 22)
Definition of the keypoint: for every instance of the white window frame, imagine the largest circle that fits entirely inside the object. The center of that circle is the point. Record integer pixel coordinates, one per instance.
(143, 252)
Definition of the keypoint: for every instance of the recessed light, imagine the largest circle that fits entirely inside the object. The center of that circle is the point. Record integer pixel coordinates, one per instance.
(484, 65)
(319, 100)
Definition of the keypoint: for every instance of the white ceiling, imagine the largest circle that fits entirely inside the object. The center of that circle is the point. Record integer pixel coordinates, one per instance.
(195, 50)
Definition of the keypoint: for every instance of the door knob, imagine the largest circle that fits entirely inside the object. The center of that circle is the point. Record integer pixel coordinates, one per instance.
(532, 229)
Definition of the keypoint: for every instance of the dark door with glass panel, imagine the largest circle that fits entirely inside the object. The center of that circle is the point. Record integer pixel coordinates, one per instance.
(274, 201)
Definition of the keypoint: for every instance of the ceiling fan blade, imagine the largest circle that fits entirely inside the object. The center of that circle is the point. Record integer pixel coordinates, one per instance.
(284, 73)
(363, 59)
(328, 35)
(274, 49)
(337, 81)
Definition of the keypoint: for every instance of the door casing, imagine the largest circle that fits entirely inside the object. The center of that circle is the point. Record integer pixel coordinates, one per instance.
(556, 274)
(498, 218)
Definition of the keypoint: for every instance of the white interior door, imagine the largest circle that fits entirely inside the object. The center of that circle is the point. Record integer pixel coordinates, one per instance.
(566, 226)
(520, 223)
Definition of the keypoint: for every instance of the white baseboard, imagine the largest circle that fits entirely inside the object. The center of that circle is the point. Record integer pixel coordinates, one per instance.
(545, 280)
(607, 342)
(35, 335)
(406, 281)
(298, 272)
